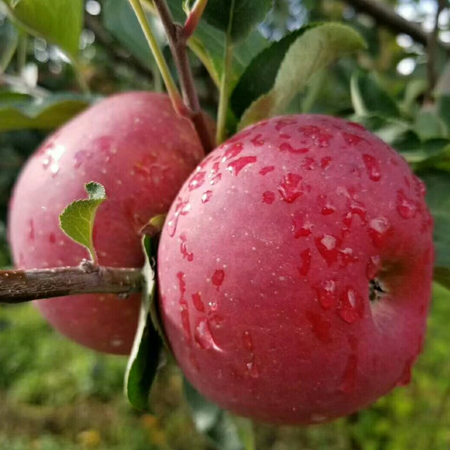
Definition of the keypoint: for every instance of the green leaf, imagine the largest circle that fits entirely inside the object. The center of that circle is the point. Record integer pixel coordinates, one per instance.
(428, 125)
(438, 200)
(311, 52)
(369, 98)
(208, 43)
(120, 20)
(58, 21)
(259, 77)
(40, 114)
(443, 110)
(214, 422)
(77, 220)
(144, 359)
(237, 18)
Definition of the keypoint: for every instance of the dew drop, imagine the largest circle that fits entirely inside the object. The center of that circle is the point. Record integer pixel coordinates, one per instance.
(181, 282)
(81, 157)
(300, 226)
(206, 196)
(197, 180)
(372, 167)
(308, 163)
(52, 238)
(347, 257)
(320, 137)
(52, 156)
(321, 326)
(327, 246)
(257, 141)
(233, 151)
(183, 249)
(252, 369)
(286, 147)
(283, 123)
(198, 303)
(266, 170)
(247, 341)
(405, 206)
(217, 278)
(31, 233)
(351, 305)
(305, 257)
(268, 197)
(181, 209)
(185, 321)
(373, 267)
(325, 162)
(352, 139)
(326, 293)
(379, 230)
(236, 166)
(326, 208)
(289, 188)
(204, 337)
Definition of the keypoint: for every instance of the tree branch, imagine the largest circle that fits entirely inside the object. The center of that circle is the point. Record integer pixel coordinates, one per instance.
(17, 286)
(178, 46)
(116, 52)
(388, 18)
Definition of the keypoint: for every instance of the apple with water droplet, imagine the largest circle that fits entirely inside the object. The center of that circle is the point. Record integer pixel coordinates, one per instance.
(141, 151)
(295, 271)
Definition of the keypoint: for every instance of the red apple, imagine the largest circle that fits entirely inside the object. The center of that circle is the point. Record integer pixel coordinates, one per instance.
(141, 151)
(295, 271)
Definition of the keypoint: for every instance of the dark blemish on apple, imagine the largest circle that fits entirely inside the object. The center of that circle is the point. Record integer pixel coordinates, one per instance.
(31, 233)
(236, 166)
(268, 197)
(217, 279)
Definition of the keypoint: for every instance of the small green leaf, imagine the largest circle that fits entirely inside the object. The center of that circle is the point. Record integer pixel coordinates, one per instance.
(311, 52)
(144, 359)
(40, 114)
(428, 125)
(237, 18)
(369, 98)
(77, 220)
(438, 200)
(58, 21)
(214, 422)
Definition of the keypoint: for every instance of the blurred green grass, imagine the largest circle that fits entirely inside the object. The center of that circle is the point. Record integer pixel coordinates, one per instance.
(55, 395)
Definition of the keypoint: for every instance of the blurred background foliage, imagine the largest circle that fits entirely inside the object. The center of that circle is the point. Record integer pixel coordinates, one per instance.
(57, 396)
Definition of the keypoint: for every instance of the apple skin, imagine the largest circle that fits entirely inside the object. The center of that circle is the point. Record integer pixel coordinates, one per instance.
(142, 152)
(264, 268)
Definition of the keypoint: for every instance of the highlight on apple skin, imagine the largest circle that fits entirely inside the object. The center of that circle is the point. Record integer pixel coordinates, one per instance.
(295, 271)
(136, 146)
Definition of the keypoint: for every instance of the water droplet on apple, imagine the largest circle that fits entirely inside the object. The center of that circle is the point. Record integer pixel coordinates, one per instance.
(326, 292)
(351, 305)
(268, 197)
(197, 300)
(185, 321)
(321, 326)
(287, 147)
(372, 167)
(325, 162)
(52, 238)
(247, 341)
(233, 151)
(252, 369)
(197, 180)
(257, 141)
(31, 233)
(206, 196)
(217, 278)
(289, 188)
(373, 267)
(283, 123)
(352, 139)
(405, 206)
(300, 226)
(236, 166)
(183, 249)
(305, 257)
(204, 337)
(266, 170)
(327, 246)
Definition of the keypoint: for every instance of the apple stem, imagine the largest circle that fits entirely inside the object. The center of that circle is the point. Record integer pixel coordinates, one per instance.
(176, 36)
(18, 286)
(194, 17)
